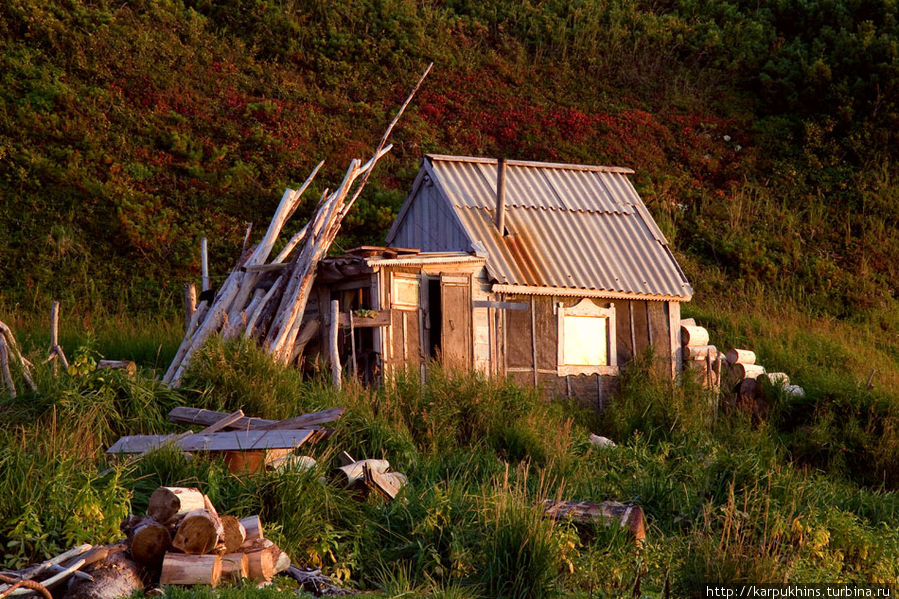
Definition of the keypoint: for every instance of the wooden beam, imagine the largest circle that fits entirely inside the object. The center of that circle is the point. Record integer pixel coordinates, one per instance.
(222, 441)
(499, 305)
(198, 416)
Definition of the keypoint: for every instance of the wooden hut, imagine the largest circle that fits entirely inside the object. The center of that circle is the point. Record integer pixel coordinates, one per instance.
(553, 274)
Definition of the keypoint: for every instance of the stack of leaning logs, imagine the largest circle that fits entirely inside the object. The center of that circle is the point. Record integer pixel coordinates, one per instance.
(185, 538)
(735, 369)
(265, 300)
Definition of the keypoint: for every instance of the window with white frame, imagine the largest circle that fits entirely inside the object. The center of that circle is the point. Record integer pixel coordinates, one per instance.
(587, 339)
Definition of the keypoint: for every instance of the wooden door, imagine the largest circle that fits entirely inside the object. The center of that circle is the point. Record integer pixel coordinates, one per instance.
(455, 330)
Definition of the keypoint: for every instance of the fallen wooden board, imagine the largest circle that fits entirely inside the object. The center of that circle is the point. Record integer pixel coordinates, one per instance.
(627, 515)
(224, 441)
(186, 415)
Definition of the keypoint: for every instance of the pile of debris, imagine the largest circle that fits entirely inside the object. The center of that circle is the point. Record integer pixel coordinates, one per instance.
(182, 540)
(265, 300)
(248, 444)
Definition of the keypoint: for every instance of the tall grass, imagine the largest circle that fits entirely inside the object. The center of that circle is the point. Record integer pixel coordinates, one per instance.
(726, 498)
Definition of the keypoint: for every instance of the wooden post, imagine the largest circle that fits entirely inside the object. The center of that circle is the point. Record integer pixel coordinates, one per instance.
(54, 331)
(332, 343)
(352, 344)
(4, 366)
(204, 260)
(190, 304)
(677, 351)
(630, 311)
(534, 339)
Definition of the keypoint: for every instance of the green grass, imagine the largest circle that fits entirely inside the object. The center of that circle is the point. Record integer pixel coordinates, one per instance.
(726, 498)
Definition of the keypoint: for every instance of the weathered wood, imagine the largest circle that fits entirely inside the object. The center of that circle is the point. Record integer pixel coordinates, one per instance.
(534, 341)
(700, 352)
(688, 322)
(740, 356)
(222, 441)
(306, 420)
(235, 567)
(204, 264)
(693, 336)
(4, 367)
(190, 304)
(37, 570)
(355, 472)
(188, 570)
(113, 577)
(499, 305)
(234, 533)
(313, 581)
(198, 416)
(126, 365)
(261, 565)
(198, 532)
(333, 350)
(308, 332)
(54, 330)
(168, 503)
(386, 484)
(148, 540)
(626, 515)
(794, 391)
(778, 379)
(747, 371)
(253, 527)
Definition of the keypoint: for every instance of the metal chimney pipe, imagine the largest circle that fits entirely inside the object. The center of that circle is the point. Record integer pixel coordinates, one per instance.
(501, 196)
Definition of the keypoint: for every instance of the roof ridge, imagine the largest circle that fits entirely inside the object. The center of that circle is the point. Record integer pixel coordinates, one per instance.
(533, 164)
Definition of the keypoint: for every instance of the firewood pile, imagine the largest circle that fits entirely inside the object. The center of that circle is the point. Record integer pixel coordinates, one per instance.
(265, 299)
(182, 540)
(734, 370)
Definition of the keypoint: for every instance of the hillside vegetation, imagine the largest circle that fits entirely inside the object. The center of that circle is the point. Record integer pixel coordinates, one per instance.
(764, 140)
(763, 134)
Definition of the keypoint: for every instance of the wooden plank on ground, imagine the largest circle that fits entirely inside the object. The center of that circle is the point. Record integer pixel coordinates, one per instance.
(223, 441)
(186, 415)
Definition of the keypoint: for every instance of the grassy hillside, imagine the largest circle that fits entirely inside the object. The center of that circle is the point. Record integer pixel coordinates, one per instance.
(763, 135)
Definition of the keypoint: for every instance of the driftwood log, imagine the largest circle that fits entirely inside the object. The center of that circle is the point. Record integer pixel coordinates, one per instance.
(114, 576)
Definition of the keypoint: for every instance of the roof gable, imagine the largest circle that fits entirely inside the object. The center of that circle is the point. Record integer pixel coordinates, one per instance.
(571, 227)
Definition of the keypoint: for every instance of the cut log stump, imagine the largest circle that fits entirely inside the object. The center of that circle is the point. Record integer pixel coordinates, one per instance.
(168, 503)
(178, 568)
(198, 532)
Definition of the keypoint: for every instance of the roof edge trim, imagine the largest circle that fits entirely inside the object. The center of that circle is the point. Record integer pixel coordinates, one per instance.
(529, 163)
(597, 293)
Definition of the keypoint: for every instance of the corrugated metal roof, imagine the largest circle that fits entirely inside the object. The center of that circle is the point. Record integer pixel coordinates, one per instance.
(572, 227)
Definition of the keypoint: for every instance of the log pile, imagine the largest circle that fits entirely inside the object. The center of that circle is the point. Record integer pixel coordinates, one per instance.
(735, 370)
(266, 299)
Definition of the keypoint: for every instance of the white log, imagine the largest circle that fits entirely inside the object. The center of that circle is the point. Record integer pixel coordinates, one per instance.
(254, 317)
(748, 371)
(700, 352)
(741, 356)
(333, 349)
(693, 336)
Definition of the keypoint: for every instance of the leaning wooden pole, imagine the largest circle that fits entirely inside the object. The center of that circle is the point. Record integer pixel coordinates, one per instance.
(54, 332)
(333, 349)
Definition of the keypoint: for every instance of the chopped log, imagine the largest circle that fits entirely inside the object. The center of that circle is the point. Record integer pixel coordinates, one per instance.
(261, 565)
(222, 441)
(700, 352)
(198, 532)
(235, 534)
(778, 379)
(282, 562)
(189, 570)
(168, 503)
(126, 365)
(627, 515)
(235, 567)
(693, 336)
(741, 356)
(148, 540)
(113, 577)
(747, 371)
(253, 527)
